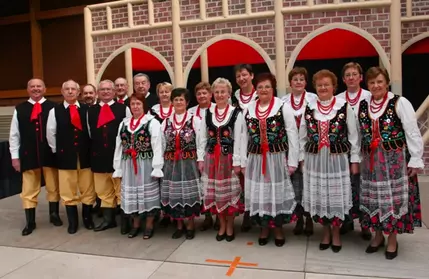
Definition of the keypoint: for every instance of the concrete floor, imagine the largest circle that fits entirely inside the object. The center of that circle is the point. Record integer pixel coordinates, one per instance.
(52, 253)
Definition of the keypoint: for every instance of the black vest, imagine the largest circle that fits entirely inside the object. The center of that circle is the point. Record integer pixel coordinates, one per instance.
(34, 150)
(70, 141)
(103, 139)
(150, 101)
(223, 134)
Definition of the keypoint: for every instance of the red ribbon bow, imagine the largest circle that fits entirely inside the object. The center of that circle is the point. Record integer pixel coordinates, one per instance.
(37, 109)
(178, 151)
(133, 154)
(106, 115)
(264, 150)
(374, 145)
(121, 101)
(75, 117)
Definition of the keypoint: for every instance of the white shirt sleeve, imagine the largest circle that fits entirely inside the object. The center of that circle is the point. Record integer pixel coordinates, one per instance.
(302, 137)
(413, 135)
(156, 142)
(117, 157)
(292, 135)
(244, 141)
(201, 141)
(353, 135)
(238, 136)
(51, 130)
(14, 136)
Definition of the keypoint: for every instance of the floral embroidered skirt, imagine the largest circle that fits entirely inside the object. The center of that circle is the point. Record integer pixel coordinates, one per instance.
(327, 191)
(270, 198)
(180, 189)
(389, 199)
(221, 186)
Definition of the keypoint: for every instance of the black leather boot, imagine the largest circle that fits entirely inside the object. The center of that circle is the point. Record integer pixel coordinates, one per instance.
(97, 209)
(87, 216)
(54, 216)
(73, 218)
(109, 216)
(30, 217)
(125, 223)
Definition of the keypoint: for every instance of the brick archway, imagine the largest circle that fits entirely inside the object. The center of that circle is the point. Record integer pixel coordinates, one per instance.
(414, 40)
(370, 38)
(123, 48)
(218, 38)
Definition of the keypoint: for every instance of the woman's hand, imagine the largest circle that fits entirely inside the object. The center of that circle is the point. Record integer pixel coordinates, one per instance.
(291, 170)
(201, 167)
(413, 172)
(354, 168)
(237, 170)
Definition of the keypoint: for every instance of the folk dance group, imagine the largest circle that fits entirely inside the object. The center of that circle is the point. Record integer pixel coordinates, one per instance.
(320, 157)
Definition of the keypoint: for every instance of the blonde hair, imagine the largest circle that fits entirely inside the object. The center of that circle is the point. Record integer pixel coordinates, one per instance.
(223, 81)
(168, 85)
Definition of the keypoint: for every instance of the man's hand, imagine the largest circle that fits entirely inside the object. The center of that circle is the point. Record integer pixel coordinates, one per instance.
(16, 164)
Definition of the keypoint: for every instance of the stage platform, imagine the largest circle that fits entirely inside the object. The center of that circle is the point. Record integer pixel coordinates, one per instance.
(52, 253)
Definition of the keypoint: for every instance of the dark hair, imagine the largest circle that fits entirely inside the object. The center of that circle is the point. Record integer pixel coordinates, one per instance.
(351, 65)
(91, 85)
(241, 67)
(298, 71)
(140, 98)
(373, 73)
(179, 92)
(270, 77)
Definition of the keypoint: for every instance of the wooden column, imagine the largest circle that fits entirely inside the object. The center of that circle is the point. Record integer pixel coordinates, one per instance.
(36, 40)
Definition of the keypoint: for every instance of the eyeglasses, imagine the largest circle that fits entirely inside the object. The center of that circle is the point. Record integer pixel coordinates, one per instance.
(266, 87)
(352, 75)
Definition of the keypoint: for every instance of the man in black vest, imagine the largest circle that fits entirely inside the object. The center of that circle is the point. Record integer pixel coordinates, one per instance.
(31, 154)
(68, 137)
(103, 124)
(121, 86)
(141, 87)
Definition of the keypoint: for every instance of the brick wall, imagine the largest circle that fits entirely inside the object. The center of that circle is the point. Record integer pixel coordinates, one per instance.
(412, 29)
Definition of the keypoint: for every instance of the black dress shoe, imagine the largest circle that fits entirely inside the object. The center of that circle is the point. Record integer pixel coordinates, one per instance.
(263, 241)
(148, 233)
(190, 234)
(30, 217)
(207, 224)
(366, 235)
(178, 234)
(324, 246)
(216, 226)
(279, 242)
(336, 248)
(392, 255)
(230, 238)
(220, 237)
(373, 249)
(54, 216)
(134, 232)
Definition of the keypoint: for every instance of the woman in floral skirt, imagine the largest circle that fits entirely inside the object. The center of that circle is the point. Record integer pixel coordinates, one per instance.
(392, 148)
(219, 159)
(180, 187)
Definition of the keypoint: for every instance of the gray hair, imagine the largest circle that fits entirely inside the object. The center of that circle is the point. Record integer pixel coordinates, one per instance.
(141, 75)
(70, 80)
(121, 78)
(223, 81)
(43, 83)
(112, 85)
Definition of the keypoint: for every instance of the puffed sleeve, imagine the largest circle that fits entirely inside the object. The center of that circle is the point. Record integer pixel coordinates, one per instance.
(353, 135)
(292, 135)
(201, 141)
(117, 157)
(163, 139)
(238, 137)
(51, 130)
(413, 135)
(14, 137)
(156, 142)
(302, 137)
(244, 141)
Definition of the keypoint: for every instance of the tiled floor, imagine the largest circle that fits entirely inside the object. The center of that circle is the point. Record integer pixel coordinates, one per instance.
(52, 253)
